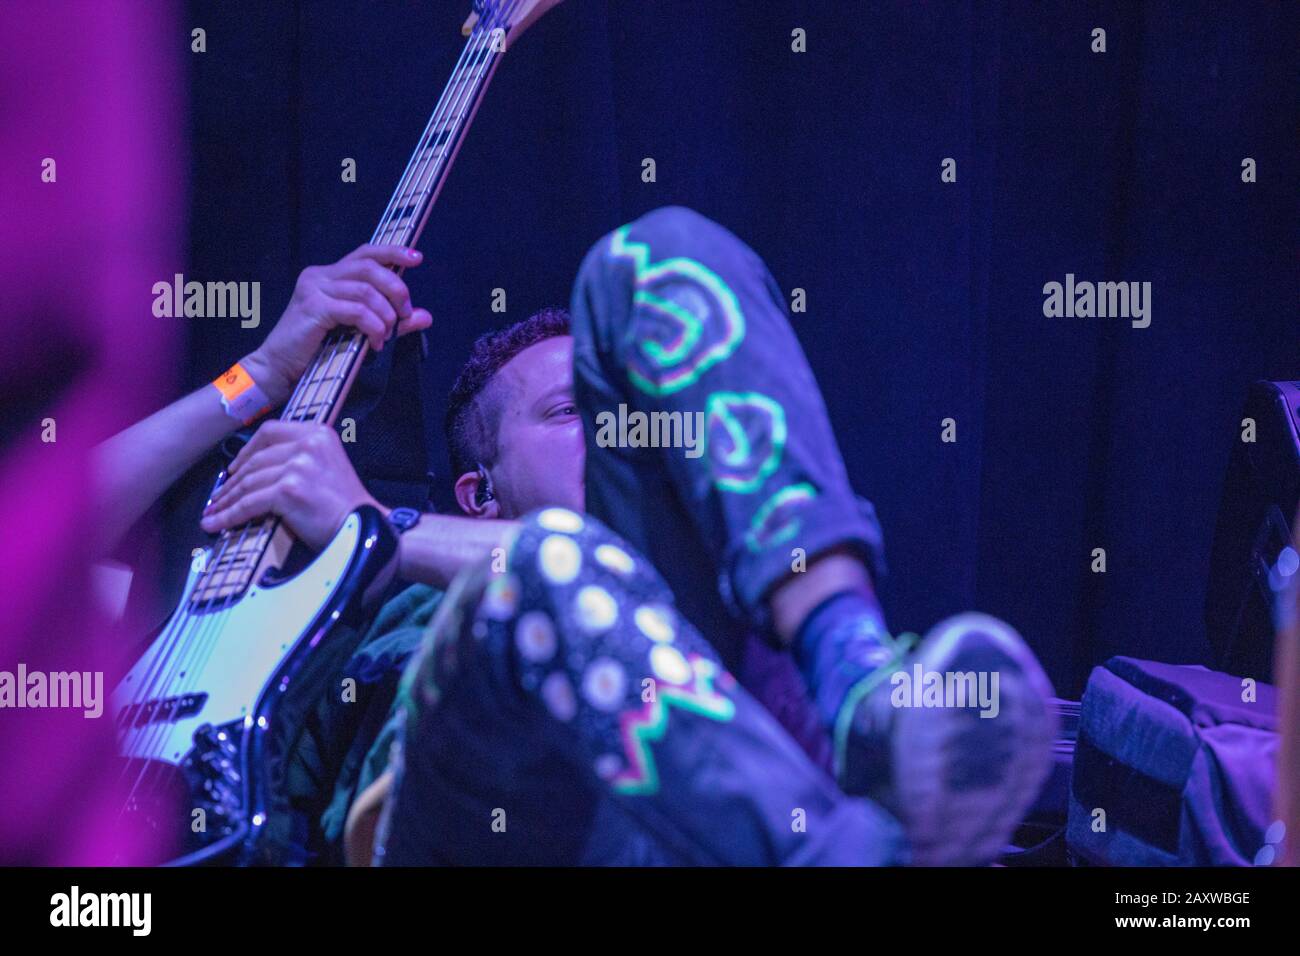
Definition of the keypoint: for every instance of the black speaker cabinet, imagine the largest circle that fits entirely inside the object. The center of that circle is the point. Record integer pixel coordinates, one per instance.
(1254, 531)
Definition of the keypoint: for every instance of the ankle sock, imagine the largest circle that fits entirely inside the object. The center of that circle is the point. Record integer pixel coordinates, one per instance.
(842, 641)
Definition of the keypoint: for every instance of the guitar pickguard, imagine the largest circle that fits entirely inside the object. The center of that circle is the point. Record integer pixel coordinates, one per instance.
(211, 683)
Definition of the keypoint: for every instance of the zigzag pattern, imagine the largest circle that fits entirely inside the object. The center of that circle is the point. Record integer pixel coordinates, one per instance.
(640, 728)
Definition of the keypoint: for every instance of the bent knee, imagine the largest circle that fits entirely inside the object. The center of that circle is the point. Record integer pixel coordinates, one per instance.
(675, 219)
(681, 231)
(669, 231)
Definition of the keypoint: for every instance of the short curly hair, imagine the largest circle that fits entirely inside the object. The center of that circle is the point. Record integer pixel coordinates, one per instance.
(472, 419)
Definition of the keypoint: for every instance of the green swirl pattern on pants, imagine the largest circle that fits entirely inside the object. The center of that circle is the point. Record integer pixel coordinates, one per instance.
(700, 312)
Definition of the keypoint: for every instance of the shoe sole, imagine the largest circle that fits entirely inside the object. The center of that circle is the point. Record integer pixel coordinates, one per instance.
(963, 788)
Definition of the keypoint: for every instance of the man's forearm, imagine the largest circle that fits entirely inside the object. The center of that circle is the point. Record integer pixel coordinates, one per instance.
(135, 466)
(440, 546)
(138, 464)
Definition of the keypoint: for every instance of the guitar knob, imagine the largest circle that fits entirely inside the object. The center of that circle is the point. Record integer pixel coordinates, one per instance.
(207, 736)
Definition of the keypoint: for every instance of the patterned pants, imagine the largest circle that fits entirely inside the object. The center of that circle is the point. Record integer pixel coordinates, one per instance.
(564, 709)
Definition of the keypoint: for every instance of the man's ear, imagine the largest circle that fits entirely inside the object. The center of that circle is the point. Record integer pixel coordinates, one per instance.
(467, 497)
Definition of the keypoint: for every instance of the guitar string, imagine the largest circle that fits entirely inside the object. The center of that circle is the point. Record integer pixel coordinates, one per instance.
(414, 170)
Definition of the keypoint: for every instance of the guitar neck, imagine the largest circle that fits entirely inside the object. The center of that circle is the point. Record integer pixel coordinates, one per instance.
(323, 387)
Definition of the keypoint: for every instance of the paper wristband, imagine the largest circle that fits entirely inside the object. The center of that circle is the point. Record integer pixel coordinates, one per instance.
(240, 396)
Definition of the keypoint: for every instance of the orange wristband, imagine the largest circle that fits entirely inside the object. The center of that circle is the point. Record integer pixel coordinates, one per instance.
(240, 396)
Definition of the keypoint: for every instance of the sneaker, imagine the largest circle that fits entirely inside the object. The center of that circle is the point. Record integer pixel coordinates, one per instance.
(959, 782)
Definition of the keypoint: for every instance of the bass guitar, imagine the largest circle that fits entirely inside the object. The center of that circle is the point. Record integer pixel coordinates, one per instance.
(196, 712)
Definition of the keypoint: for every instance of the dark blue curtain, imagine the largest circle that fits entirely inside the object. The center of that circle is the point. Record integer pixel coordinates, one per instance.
(924, 298)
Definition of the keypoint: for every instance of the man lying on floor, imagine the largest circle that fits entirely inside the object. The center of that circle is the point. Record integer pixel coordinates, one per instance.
(572, 698)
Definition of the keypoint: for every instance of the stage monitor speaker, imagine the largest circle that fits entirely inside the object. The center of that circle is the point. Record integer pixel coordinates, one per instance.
(1253, 531)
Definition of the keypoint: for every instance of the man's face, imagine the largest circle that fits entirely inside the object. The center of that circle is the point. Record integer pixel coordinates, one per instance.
(540, 450)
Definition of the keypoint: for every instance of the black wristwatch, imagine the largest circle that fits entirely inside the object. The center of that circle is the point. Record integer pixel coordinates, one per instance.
(404, 519)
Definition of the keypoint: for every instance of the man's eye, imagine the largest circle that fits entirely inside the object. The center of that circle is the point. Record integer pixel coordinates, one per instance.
(566, 410)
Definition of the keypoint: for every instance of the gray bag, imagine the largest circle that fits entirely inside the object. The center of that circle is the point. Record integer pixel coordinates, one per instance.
(1174, 766)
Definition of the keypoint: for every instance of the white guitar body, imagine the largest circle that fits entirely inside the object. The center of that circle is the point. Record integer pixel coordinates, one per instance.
(193, 722)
